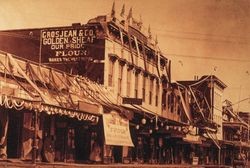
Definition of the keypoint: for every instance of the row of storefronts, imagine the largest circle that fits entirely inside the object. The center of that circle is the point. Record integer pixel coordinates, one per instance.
(102, 93)
(98, 131)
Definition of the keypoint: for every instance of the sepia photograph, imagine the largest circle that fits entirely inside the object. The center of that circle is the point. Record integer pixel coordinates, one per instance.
(125, 83)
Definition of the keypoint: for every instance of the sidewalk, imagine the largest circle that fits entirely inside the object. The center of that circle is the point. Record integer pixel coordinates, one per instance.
(20, 164)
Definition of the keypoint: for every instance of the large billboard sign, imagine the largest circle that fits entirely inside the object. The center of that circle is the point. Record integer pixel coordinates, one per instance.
(66, 45)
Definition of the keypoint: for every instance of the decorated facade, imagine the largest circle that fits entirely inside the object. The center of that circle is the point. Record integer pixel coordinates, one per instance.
(102, 93)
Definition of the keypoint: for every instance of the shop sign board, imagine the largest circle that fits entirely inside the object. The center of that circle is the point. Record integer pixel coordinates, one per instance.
(127, 100)
(195, 161)
(116, 130)
(66, 44)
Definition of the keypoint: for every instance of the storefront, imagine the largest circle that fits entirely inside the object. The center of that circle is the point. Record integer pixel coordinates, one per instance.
(54, 134)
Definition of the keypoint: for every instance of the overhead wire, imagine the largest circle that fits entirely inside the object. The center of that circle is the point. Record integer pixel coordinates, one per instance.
(167, 54)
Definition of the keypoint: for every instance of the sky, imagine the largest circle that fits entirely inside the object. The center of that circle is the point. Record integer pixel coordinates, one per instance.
(199, 37)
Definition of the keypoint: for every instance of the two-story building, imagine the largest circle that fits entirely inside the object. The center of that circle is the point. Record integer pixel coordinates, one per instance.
(129, 87)
(206, 95)
(235, 136)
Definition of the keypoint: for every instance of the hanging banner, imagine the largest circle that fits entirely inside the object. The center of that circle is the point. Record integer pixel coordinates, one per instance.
(116, 130)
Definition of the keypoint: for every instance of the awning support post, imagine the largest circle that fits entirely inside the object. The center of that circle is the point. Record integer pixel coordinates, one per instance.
(219, 156)
(35, 147)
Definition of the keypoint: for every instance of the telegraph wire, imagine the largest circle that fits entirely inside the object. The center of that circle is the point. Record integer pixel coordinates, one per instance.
(209, 58)
(168, 54)
(208, 39)
(201, 34)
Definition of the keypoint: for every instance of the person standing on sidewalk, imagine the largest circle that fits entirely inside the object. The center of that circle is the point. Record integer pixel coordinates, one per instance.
(3, 134)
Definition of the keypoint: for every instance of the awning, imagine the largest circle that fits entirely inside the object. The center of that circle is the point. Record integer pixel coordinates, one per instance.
(44, 89)
(116, 130)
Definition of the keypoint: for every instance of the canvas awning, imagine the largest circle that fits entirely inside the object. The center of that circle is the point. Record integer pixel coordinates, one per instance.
(26, 85)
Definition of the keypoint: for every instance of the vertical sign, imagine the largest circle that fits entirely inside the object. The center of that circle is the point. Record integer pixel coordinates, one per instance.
(65, 45)
(116, 130)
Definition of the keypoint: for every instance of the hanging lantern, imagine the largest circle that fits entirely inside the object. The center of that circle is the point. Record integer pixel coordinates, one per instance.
(46, 108)
(150, 131)
(143, 121)
(41, 108)
(156, 128)
(52, 109)
(56, 110)
(151, 121)
(179, 129)
(137, 127)
(167, 127)
(162, 124)
(185, 130)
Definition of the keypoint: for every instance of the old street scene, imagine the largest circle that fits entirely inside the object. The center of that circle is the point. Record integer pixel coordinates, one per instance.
(125, 83)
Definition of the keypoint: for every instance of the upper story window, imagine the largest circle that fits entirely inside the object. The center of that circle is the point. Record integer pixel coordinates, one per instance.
(136, 84)
(114, 33)
(111, 73)
(163, 62)
(133, 45)
(157, 91)
(144, 88)
(151, 86)
(126, 40)
(120, 76)
(164, 99)
(129, 75)
(171, 100)
(140, 47)
(178, 105)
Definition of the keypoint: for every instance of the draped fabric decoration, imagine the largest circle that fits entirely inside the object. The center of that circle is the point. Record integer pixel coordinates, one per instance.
(10, 103)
